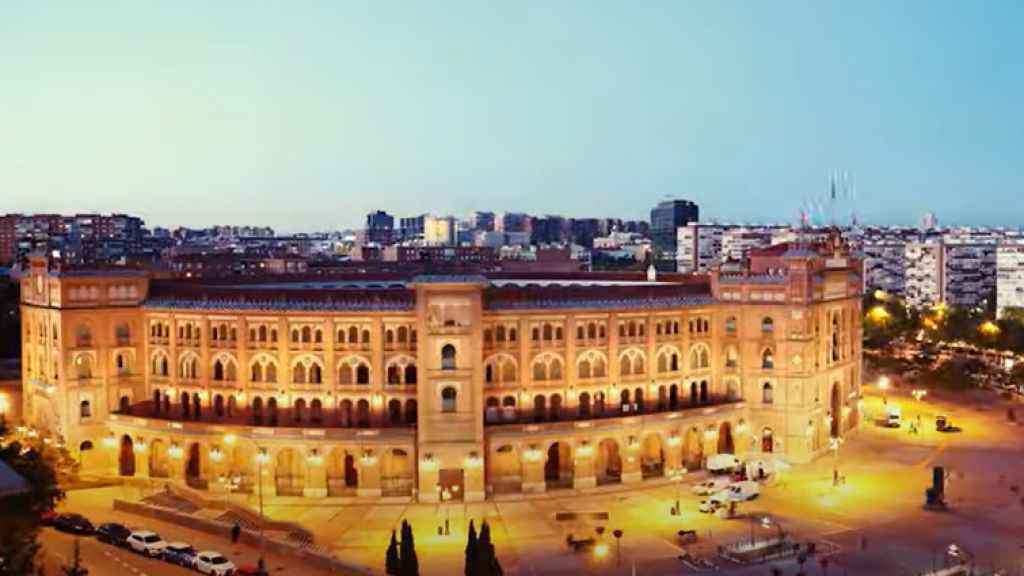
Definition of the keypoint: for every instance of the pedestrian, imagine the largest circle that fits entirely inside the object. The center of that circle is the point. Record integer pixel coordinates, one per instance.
(236, 531)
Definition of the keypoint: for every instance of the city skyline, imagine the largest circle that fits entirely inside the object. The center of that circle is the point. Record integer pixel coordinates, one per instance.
(308, 119)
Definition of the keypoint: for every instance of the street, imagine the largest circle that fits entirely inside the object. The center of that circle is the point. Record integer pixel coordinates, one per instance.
(99, 558)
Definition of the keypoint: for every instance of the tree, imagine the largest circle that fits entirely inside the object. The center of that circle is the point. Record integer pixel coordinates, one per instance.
(410, 564)
(486, 561)
(19, 523)
(471, 551)
(392, 563)
(76, 568)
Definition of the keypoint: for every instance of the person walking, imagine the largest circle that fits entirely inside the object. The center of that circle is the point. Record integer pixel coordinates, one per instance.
(236, 531)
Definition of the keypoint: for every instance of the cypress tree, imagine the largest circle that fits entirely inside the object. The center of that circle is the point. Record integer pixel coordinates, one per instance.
(471, 551)
(392, 564)
(410, 564)
(487, 560)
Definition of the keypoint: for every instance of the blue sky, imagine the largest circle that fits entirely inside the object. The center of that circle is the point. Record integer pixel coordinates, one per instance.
(306, 115)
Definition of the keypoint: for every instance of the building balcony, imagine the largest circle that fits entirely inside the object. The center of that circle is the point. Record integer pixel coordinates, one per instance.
(532, 420)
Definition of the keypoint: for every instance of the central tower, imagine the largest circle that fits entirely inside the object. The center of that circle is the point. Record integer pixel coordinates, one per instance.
(450, 432)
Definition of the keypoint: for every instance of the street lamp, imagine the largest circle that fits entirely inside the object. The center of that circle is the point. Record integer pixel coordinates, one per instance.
(618, 545)
(883, 385)
(677, 475)
(261, 458)
(834, 444)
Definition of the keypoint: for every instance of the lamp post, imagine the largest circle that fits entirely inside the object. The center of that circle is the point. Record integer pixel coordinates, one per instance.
(261, 458)
(618, 546)
(677, 475)
(834, 444)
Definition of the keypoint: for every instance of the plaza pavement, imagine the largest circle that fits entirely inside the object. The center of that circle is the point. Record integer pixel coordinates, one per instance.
(874, 524)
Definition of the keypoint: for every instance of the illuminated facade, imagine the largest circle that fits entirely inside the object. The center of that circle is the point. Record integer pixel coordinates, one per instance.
(465, 386)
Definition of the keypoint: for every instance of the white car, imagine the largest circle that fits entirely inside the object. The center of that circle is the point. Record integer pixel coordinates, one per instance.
(211, 562)
(715, 501)
(146, 542)
(743, 491)
(722, 463)
(711, 486)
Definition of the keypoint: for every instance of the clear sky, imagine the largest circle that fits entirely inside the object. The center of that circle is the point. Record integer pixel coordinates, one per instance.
(305, 115)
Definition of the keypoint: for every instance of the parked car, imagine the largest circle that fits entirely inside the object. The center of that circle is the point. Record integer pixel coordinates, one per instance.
(743, 491)
(113, 533)
(180, 553)
(73, 523)
(146, 542)
(214, 563)
(942, 424)
(722, 463)
(47, 518)
(709, 505)
(711, 485)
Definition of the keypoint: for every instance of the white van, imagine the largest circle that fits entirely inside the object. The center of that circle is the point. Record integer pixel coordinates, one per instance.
(711, 485)
(743, 491)
(722, 463)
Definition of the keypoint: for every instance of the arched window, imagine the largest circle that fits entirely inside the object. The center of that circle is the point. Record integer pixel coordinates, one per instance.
(363, 374)
(257, 373)
(448, 357)
(730, 325)
(83, 336)
(767, 359)
(767, 397)
(218, 370)
(448, 397)
(499, 334)
(85, 409)
(410, 374)
(732, 357)
(271, 372)
(767, 325)
(298, 374)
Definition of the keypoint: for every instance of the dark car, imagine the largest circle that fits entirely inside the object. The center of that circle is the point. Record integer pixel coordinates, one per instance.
(179, 553)
(47, 518)
(113, 533)
(73, 523)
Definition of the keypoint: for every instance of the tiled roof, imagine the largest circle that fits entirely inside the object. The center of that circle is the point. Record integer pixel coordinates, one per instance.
(630, 303)
(752, 279)
(287, 305)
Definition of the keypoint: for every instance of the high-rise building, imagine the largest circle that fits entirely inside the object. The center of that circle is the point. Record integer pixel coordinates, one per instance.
(666, 218)
(439, 231)
(699, 247)
(1009, 275)
(380, 227)
(482, 221)
(924, 271)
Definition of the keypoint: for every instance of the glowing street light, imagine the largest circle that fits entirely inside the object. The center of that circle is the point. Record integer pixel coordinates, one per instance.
(879, 314)
(883, 385)
(989, 328)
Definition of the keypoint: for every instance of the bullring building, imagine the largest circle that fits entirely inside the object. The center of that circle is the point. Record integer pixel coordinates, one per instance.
(422, 385)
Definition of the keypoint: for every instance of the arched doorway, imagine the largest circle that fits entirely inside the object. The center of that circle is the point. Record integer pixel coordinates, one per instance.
(126, 457)
(351, 472)
(257, 411)
(608, 467)
(396, 473)
(726, 444)
(410, 412)
(558, 466)
(539, 408)
(394, 412)
(186, 403)
(652, 457)
(662, 398)
(673, 397)
(584, 405)
(837, 410)
(289, 475)
(703, 391)
(334, 467)
(363, 413)
(693, 392)
(158, 460)
(555, 413)
(272, 411)
(345, 414)
(193, 467)
(124, 405)
(694, 449)
(767, 442)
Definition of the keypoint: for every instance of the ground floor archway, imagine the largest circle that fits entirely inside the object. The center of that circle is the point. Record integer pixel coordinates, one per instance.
(558, 467)
(126, 457)
(608, 466)
(652, 456)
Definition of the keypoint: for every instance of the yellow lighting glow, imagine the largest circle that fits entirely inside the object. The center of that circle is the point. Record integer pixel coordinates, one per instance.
(883, 383)
(601, 550)
(878, 314)
(174, 451)
(229, 438)
(989, 328)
